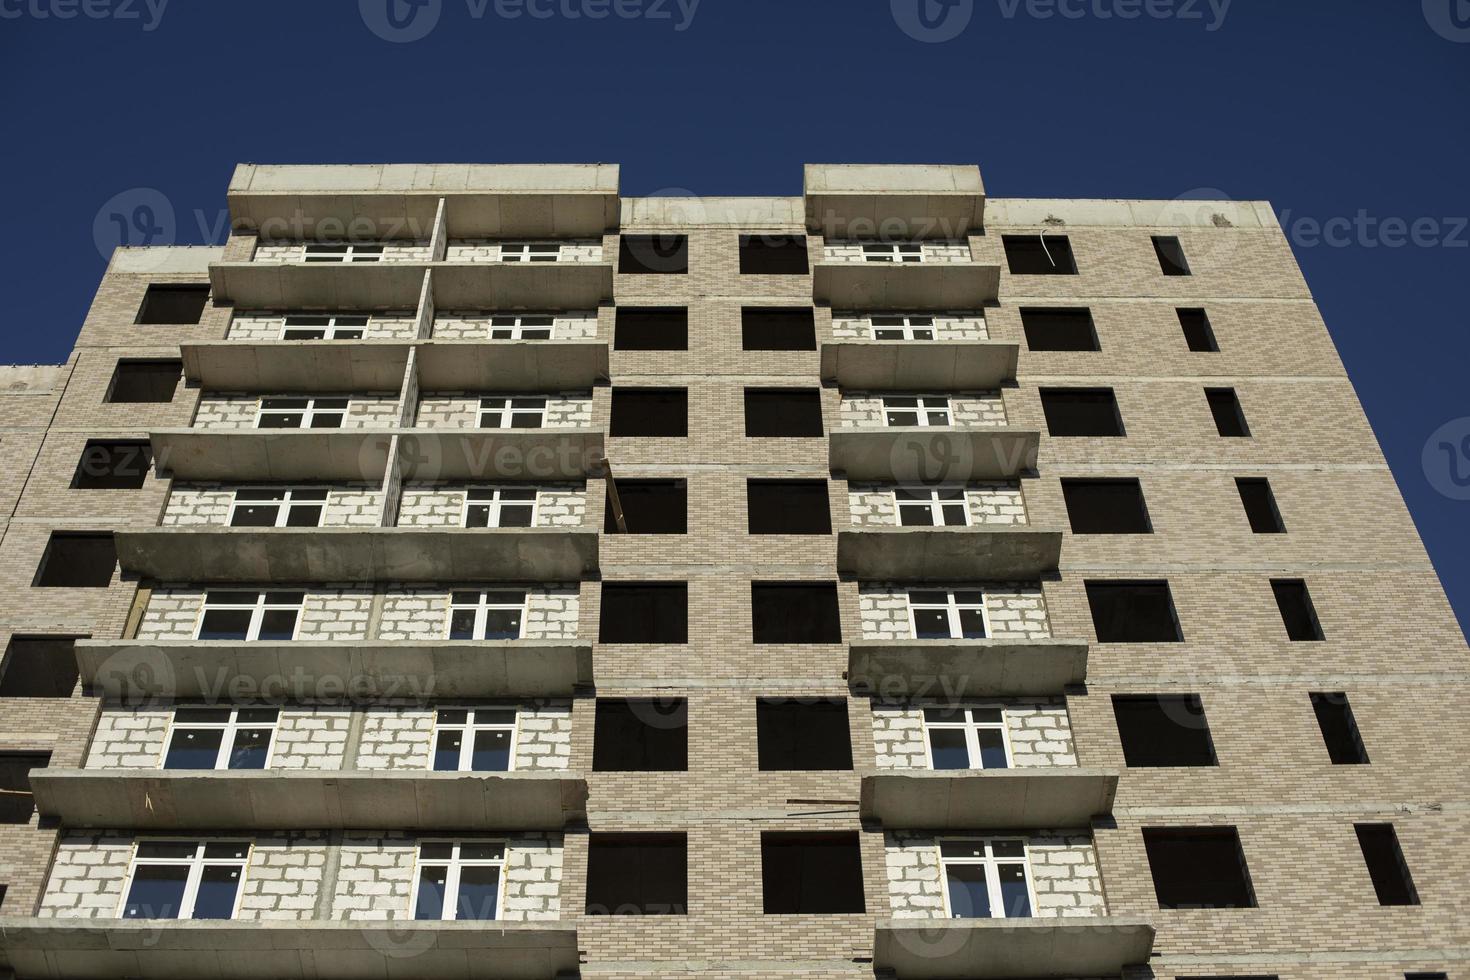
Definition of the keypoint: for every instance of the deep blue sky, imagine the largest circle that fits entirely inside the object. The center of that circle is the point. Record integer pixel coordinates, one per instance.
(1329, 109)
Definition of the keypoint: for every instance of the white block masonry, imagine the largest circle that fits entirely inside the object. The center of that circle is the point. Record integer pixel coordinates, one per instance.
(948, 325)
(475, 325)
(841, 251)
(296, 251)
(975, 409)
(438, 505)
(208, 505)
(1015, 610)
(488, 250)
(238, 410)
(327, 613)
(266, 326)
(1038, 729)
(989, 504)
(400, 736)
(1063, 869)
(461, 410)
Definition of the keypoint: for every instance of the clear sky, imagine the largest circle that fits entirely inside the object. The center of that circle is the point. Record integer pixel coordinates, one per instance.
(1350, 116)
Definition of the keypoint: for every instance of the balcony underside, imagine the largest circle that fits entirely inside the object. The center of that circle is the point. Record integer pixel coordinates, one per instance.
(905, 286)
(138, 670)
(989, 799)
(947, 553)
(893, 200)
(296, 365)
(918, 365)
(106, 949)
(397, 285)
(964, 668)
(345, 554)
(266, 799)
(932, 455)
(980, 949)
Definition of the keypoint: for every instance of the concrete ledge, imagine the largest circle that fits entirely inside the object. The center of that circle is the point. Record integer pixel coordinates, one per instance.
(346, 554)
(140, 670)
(987, 799)
(506, 454)
(511, 365)
(961, 668)
(939, 949)
(396, 285)
(918, 365)
(947, 553)
(905, 286)
(931, 455)
(105, 949)
(893, 200)
(266, 799)
(273, 454)
(296, 365)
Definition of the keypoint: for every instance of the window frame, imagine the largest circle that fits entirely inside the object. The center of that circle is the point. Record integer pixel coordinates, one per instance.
(920, 409)
(230, 728)
(517, 328)
(308, 412)
(284, 505)
(330, 330)
(482, 608)
(527, 252)
(196, 865)
(347, 254)
(952, 610)
(934, 504)
(508, 411)
(895, 253)
(992, 872)
(468, 728)
(496, 506)
(971, 729)
(906, 327)
(257, 609)
(454, 864)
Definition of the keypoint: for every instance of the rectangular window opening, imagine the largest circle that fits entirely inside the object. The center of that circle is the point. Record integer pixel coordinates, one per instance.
(1081, 412)
(788, 507)
(1161, 730)
(773, 255)
(1133, 612)
(16, 802)
(795, 612)
(1198, 868)
(1339, 728)
(811, 874)
(1114, 506)
(651, 328)
(1229, 416)
(1392, 882)
(39, 667)
(637, 874)
(1260, 505)
(647, 506)
(650, 412)
(173, 305)
(653, 255)
(644, 612)
(1039, 255)
(802, 735)
(138, 382)
(1297, 613)
(783, 413)
(113, 464)
(777, 328)
(77, 560)
(1057, 329)
(641, 735)
(1171, 255)
(1197, 331)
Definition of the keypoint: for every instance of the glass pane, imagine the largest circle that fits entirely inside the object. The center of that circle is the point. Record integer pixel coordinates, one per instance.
(492, 420)
(518, 515)
(462, 624)
(947, 746)
(495, 716)
(278, 624)
(889, 334)
(258, 715)
(504, 598)
(1014, 899)
(347, 335)
(1007, 848)
(232, 850)
(478, 887)
(167, 849)
(446, 751)
(256, 515)
(352, 321)
(258, 495)
(502, 334)
(477, 515)
(308, 495)
(224, 624)
(923, 334)
(208, 716)
(502, 624)
(931, 624)
(992, 749)
(928, 597)
(482, 852)
(944, 714)
(329, 420)
(432, 882)
(491, 752)
(280, 420)
(157, 892)
(304, 517)
(276, 403)
(940, 417)
(217, 887)
(291, 334)
(436, 852)
(462, 598)
(525, 420)
(972, 624)
(915, 515)
(900, 403)
(251, 747)
(955, 515)
(968, 896)
(193, 748)
(452, 716)
(281, 598)
(535, 334)
(308, 321)
(903, 418)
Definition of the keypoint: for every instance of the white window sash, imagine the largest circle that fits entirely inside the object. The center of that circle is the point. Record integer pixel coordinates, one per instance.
(453, 865)
(508, 412)
(495, 503)
(482, 607)
(907, 326)
(284, 503)
(467, 731)
(952, 609)
(992, 875)
(371, 252)
(891, 252)
(257, 613)
(308, 412)
(972, 731)
(922, 410)
(195, 864)
(329, 329)
(227, 741)
(524, 251)
(935, 504)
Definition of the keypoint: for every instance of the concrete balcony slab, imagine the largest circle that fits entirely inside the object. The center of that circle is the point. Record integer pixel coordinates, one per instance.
(947, 553)
(105, 949)
(987, 799)
(932, 455)
(396, 285)
(905, 285)
(277, 799)
(1016, 949)
(511, 365)
(918, 365)
(500, 454)
(350, 554)
(893, 200)
(138, 670)
(273, 454)
(964, 668)
(296, 365)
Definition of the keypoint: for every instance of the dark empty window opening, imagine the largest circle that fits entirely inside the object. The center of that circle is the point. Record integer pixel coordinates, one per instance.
(651, 328)
(654, 255)
(77, 561)
(1198, 868)
(16, 802)
(1229, 416)
(1163, 730)
(1260, 505)
(653, 412)
(144, 381)
(1339, 728)
(777, 412)
(113, 465)
(1426, 976)
(1297, 613)
(644, 612)
(1133, 612)
(637, 874)
(788, 507)
(777, 328)
(1171, 255)
(811, 874)
(773, 255)
(1392, 882)
(39, 667)
(795, 612)
(802, 735)
(641, 735)
(1081, 412)
(1039, 255)
(2, 896)
(1059, 329)
(648, 506)
(1197, 331)
(1106, 507)
(173, 305)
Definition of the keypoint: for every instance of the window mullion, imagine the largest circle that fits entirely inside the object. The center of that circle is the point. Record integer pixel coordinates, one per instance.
(451, 886)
